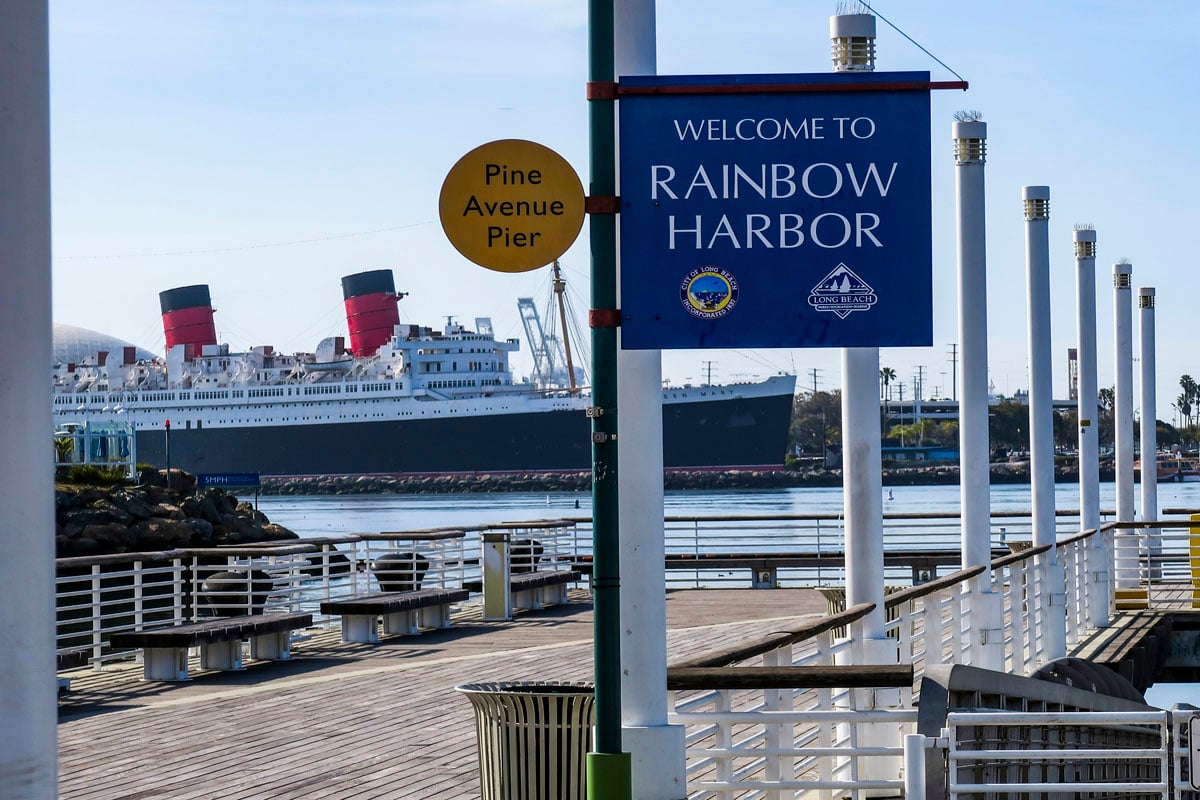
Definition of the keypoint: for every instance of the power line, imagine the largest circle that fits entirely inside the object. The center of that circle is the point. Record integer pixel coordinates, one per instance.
(914, 41)
(245, 247)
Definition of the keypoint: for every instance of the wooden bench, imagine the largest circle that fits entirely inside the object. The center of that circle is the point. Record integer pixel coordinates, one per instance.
(165, 650)
(533, 590)
(404, 613)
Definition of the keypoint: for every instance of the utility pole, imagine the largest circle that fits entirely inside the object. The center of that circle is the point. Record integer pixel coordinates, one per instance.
(814, 372)
(954, 371)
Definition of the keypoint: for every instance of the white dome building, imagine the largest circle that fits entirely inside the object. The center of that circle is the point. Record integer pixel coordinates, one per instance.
(73, 345)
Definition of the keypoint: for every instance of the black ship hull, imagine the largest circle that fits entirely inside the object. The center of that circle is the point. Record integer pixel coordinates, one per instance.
(722, 434)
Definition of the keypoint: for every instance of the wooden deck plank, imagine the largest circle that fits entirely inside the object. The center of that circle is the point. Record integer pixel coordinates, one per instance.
(344, 721)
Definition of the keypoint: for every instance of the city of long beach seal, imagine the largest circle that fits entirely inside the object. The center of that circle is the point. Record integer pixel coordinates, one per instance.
(708, 292)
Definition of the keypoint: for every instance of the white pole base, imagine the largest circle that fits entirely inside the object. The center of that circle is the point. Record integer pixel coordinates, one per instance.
(659, 762)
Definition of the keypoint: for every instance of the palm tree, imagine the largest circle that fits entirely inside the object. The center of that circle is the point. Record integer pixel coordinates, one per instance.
(886, 375)
(1184, 404)
(1192, 392)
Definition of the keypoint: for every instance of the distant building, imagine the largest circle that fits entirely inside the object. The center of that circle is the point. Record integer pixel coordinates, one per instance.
(74, 345)
(909, 411)
(937, 452)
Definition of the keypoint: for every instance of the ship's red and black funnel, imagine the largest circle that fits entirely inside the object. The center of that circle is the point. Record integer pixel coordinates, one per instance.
(187, 316)
(371, 312)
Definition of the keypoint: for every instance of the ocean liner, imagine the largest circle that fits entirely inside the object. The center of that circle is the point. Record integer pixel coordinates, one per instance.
(401, 399)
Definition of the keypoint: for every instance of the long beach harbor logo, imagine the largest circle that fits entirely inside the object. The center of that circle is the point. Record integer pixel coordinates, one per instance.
(708, 292)
(843, 293)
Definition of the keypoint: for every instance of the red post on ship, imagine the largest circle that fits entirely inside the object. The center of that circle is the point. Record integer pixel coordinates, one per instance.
(187, 316)
(371, 313)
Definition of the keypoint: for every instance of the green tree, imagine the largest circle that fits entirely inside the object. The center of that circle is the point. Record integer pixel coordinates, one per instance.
(1008, 425)
(816, 422)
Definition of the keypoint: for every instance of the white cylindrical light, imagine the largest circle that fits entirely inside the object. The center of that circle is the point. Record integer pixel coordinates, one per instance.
(1148, 401)
(1088, 401)
(970, 155)
(1036, 202)
(853, 42)
(1123, 393)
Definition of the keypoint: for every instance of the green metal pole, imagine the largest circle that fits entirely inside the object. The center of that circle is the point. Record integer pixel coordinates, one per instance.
(608, 769)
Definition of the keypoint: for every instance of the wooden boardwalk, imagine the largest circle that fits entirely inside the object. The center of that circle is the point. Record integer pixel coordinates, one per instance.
(344, 721)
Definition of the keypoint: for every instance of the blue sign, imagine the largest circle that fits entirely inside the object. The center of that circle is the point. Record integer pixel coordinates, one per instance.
(776, 211)
(228, 479)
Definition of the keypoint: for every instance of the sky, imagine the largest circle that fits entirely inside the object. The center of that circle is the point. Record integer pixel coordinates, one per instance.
(269, 148)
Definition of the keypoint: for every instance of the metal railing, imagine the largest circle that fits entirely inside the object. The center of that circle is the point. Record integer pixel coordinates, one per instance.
(1069, 754)
(769, 740)
(831, 742)
(917, 546)
(790, 720)
(102, 595)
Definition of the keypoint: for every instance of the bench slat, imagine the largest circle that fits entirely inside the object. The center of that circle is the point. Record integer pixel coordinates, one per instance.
(390, 602)
(218, 629)
(530, 580)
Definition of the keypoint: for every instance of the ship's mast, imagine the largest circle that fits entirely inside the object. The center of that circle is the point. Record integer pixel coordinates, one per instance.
(559, 285)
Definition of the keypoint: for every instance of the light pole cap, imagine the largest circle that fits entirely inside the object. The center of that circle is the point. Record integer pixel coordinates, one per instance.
(846, 26)
(969, 129)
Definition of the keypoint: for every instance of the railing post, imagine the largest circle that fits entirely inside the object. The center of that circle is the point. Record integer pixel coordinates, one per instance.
(97, 618)
(177, 591)
(914, 766)
(987, 638)
(138, 608)
(778, 736)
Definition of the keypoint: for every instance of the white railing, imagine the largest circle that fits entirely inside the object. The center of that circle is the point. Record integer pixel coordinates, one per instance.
(108, 594)
(776, 743)
(1156, 565)
(97, 597)
(1088, 753)
(820, 539)
(799, 742)
(829, 742)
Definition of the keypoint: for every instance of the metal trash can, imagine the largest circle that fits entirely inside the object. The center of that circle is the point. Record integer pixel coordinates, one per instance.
(533, 738)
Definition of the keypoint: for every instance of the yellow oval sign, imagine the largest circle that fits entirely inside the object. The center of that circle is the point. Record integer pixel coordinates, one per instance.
(512, 205)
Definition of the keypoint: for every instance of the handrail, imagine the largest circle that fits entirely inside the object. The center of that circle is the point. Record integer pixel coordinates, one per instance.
(1020, 555)
(872, 676)
(1152, 524)
(1066, 512)
(429, 535)
(118, 558)
(932, 587)
(819, 625)
(252, 550)
(1078, 537)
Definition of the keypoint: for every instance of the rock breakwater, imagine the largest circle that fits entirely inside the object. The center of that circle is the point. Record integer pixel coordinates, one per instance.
(710, 480)
(92, 520)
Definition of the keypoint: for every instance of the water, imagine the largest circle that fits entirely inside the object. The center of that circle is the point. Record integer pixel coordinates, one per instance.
(325, 515)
